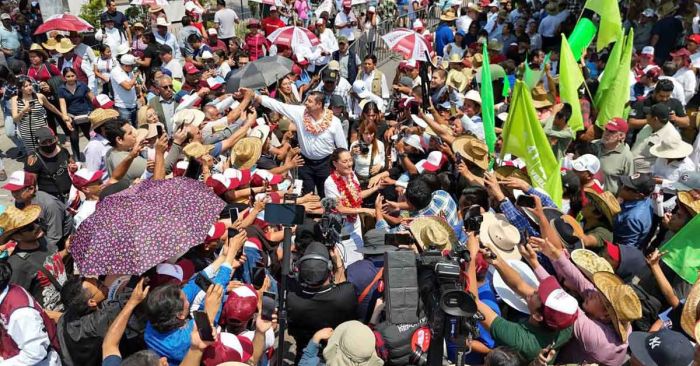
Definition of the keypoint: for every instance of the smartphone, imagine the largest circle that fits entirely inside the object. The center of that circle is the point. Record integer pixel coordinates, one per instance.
(203, 326)
(159, 130)
(194, 169)
(525, 200)
(268, 305)
(258, 277)
(458, 157)
(203, 282)
(284, 214)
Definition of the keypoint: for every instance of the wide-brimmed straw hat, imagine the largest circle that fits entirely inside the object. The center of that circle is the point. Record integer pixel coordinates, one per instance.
(500, 236)
(197, 150)
(99, 116)
(503, 172)
(472, 149)
(622, 302)
(36, 48)
(433, 231)
(540, 98)
(605, 202)
(246, 152)
(671, 149)
(64, 46)
(590, 263)
(666, 8)
(50, 44)
(691, 204)
(448, 15)
(688, 318)
(457, 80)
(13, 219)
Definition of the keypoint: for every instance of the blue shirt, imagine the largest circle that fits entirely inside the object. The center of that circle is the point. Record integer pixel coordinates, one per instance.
(633, 224)
(77, 103)
(443, 36)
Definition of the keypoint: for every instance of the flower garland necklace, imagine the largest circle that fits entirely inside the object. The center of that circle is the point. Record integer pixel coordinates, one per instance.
(350, 194)
(317, 128)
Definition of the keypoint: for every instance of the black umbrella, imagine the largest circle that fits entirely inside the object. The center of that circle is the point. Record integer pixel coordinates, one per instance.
(260, 73)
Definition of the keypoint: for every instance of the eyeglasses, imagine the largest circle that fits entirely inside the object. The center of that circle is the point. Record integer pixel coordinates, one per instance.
(166, 86)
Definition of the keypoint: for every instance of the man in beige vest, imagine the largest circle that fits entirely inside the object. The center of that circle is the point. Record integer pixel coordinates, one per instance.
(374, 80)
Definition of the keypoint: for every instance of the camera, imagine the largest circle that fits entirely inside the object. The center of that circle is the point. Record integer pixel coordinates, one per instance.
(331, 223)
(473, 219)
(364, 148)
(294, 141)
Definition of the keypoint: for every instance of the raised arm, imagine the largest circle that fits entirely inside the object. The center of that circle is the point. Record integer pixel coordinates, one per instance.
(665, 286)
(110, 345)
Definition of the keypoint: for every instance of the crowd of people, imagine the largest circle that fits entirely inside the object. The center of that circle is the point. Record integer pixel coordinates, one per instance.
(581, 277)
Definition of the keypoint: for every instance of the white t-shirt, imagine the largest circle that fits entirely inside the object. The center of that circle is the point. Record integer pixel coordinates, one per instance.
(342, 18)
(226, 19)
(686, 77)
(349, 246)
(122, 98)
(463, 23)
(175, 68)
(362, 166)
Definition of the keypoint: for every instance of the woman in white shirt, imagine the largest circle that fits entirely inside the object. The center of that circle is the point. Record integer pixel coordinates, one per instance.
(103, 67)
(368, 153)
(343, 185)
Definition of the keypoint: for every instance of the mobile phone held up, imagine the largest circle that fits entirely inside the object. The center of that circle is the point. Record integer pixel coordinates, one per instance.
(525, 200)
(268, 305)
(206, 333)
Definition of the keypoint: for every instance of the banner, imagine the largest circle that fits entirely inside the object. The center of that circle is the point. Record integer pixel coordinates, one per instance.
(610, 28)
(683, 251)
(581, 37)
(618, 94)
(570, 79)
(488, 111)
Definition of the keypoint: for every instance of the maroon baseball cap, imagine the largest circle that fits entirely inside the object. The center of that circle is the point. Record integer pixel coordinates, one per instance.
(681, 53)
(560, 308)
(240, 306)
(617, 124)
(19, 180)
(191, 69)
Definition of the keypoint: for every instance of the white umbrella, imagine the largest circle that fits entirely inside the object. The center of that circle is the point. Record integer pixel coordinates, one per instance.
(409, 43)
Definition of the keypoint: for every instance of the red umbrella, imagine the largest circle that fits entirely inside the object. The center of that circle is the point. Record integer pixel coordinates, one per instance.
(408, 43)
(64, 22)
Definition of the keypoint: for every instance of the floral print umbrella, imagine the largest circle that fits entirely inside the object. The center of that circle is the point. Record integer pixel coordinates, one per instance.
(133, 230)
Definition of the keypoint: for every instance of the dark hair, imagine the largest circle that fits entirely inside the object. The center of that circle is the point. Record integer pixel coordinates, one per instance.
(67, 70)
(186, 20)
(669, 68)
(335, 155)
(75, 298)
(565, 112)
(664, 85)
(371, 57)
(504, 356)
(162, 306)
(432, 180)
(194, 37)
(367, 127)
(317, 95)
(164, 48)
(7, 75)
(418, 193)
(19, 83)
(476, 195)
(144, 357)
(221, 54)
(150, 37)
(108, 2)
(5, 274)
(102, 48)
(114, 129)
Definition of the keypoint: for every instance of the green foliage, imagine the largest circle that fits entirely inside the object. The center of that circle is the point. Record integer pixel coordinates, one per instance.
(91, 11)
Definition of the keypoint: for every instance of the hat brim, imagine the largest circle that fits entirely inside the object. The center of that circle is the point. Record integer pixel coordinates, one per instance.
(541, 104)
(376, 249)
(418, 225)
(550, 213)
(637, 344)
(12, 187)
(679, 152)
(603, 281)
(508, 295)
(460, 145)
(248, 163)
(589, 262)
(447, 18)
(492, 219)
(688, 318)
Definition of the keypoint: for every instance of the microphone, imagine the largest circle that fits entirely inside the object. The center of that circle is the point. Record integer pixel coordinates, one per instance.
(329, 204)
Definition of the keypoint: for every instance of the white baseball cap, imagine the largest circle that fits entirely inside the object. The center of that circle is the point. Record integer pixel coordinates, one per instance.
(586, 163)
(648, 50)
(413, 140)
(649, 12)
(128, 60)
(359, 88)
(212, 31)
(435, 161)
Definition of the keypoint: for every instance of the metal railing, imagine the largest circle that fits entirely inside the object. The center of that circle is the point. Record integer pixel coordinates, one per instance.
(369, 42)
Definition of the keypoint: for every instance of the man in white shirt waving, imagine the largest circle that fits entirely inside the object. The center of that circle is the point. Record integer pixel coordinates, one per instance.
(319, 132)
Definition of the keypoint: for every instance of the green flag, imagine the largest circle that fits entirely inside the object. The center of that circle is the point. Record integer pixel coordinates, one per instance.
(617, 96)
(506, 87)
(581, 37)
(609, 72)
(488, 110)
(532, 77)
(570, 79)
(683, 251)
(610, 28)
(524, 137)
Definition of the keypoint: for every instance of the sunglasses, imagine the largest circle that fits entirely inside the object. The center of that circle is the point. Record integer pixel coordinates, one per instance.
(166, 86)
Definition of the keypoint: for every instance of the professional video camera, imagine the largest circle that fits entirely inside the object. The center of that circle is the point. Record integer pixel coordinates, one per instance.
(364, 148)
(331, 222)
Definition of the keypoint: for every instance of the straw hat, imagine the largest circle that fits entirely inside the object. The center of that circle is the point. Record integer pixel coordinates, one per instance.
(503, 172)
(433, 231)
(155, 9)
(448, 16)
(457, 80)
(494, 45)
(246, 152)
(149, 131)
(666, 8)
(197, 150)
(500, 236)
(688, 318)
(50, 44)
(540, 98)
(690, 204)
(99, 116)
(13, 219)
(671, 149)
(605, 202)
(188, 116)
(472, 149)
(590, 263)
(38, 49)
(64, 46)
(623, 303)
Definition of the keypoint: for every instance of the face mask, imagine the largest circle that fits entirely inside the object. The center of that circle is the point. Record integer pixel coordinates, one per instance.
(48, 149)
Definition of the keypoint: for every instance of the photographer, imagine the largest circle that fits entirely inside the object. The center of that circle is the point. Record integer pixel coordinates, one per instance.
(320, 297)
(368, 153)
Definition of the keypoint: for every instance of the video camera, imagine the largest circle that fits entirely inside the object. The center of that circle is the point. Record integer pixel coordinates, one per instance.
(331, 223)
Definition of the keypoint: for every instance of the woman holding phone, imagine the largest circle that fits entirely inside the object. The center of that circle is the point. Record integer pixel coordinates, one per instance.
(75, 99)
(29, 112)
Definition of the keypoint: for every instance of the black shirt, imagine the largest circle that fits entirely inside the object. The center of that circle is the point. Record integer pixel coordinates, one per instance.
(118, 17)
(152, 51)
(673, 105)
(669, 30)
(52, 173)
(312, 311)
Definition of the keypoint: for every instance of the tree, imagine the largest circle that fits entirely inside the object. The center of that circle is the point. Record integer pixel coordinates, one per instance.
(91, 11)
